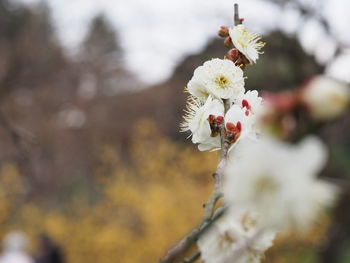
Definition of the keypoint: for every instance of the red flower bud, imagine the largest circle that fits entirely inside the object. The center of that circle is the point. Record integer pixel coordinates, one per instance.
(228, 42)
(233, 54)
(223, 31)
(233, 131)
(211, 119)
(219, 119)
(230, 126)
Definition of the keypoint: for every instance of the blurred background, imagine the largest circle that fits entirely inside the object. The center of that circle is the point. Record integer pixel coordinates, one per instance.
(92, 164)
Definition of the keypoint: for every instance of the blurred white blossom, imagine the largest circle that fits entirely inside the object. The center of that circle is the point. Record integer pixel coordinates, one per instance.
(235, 237)
(325, 97)
(72, 117)
(14, 248)
(278, 181)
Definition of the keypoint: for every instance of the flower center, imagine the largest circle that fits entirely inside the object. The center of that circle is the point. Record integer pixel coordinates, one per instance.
(339, 100)
(233, 131)
(245, 38)
(215, 123)
(265, 185)
(248, 222)
(245, 104)
(226, 240)
(222, 82)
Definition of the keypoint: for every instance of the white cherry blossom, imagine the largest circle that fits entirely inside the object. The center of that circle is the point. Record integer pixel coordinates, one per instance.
(247, 43)
(238, 124)
(278, 181)
(236, 237)
(326, 98)
(250, 101)
(220, 78)
(196, 121)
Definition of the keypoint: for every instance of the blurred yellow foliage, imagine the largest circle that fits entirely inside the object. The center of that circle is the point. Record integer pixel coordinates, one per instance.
(145, 203)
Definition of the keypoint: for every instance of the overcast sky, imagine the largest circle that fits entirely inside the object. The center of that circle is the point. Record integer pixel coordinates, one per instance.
(157, 34)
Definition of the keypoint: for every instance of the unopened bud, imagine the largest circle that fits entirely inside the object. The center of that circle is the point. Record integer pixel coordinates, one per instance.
(219, 119)
(211, 119)
(223, 31)
(241, 20)
(239, 61)
(245, 61)
(230, 126)
(233, 131)
(228, 42)
(233, 54)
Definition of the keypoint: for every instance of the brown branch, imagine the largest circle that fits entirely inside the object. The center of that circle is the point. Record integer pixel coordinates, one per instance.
(236, 18)
(209, 207)
(184, 244)
(190, 239)
(192, 258)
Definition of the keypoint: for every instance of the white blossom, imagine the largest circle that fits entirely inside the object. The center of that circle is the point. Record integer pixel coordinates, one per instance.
(235, 237)
(249, 101)
(247, 43)
(196, 121)
(238, 123)
(278, 181)
(220, 78)
(326, 98)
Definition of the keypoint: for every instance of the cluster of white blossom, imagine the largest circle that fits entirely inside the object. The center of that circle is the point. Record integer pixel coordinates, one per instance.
(278, 181)
(218, 80)
(235, 237)
(326, 98)
(268, 185)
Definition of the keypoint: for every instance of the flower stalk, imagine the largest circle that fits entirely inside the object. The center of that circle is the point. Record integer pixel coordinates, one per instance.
(210, 214)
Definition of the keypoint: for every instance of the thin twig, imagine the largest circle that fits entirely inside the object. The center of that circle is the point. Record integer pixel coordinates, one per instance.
(190, 239)
(192, 258)
(184, 244)
(236, 19)
(209, 207)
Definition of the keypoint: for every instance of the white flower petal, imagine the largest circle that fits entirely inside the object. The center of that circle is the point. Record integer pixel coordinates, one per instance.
(197, 122)
(277, 181)
(247, 43)
(220, 78)
(231, 238)
(326, 98)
